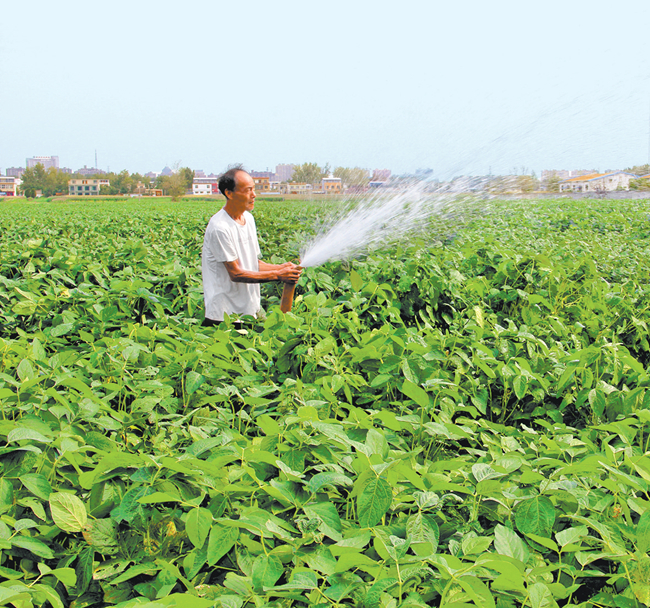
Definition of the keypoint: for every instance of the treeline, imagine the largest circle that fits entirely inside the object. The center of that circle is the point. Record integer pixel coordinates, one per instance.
(312, 173)
(52, 182)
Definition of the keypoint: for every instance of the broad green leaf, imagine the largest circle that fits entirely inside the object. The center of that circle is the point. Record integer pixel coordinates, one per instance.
(101, 534)
(68, 512)
(373, 502)
(84, 569)
(198, 525)
(25, 370)
(25, 434)
(37, 484)
(267, 569)
(193, 381)
(6, 495)
(222, 539)
(507, 542)
(34, 545)
(422, 528)
(355, 280)
(535, 516)
(321, 480)
(415, 392)
(643, 532)
(477, 590)
(540, 596)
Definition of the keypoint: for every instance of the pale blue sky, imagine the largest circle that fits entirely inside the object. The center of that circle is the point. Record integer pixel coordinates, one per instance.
(461, 87)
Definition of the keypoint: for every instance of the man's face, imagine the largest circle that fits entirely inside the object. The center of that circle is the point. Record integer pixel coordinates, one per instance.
(243, 196)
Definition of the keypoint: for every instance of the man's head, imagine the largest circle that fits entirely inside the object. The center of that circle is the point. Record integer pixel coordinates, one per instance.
(238, 187)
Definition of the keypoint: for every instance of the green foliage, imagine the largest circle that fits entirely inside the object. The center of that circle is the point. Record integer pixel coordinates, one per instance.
(462, 421)
(309, 173)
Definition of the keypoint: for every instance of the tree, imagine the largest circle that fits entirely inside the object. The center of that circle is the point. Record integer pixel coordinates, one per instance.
(187, 177)
(34, 178)
(553, 183)
(309, 173)
(352, 177)
(639, 169)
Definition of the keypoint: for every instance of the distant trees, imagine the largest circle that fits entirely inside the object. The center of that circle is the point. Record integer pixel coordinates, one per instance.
(355, 177)
(49, 181)
(309, 173)
(639, 169)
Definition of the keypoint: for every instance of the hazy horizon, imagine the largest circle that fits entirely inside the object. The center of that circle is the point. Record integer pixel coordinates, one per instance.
(465, 89)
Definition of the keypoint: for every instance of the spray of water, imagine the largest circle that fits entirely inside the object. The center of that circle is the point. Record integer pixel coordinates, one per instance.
(378, 219)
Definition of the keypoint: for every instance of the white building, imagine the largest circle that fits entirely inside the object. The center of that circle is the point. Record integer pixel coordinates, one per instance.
(86, 187)
(295, 188)
(9, 185)
(46, 161)
(205, 186)
(598, 182)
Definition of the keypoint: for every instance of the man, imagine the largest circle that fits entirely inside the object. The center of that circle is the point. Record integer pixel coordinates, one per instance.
(231, 269)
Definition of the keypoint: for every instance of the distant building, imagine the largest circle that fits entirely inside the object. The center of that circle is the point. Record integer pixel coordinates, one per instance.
(283, 173)
(262, 183)
(166, 171)
(205, 186)
(90, 171)
(598, 182)
(151, 175)
(15, 171)
(8, 185)
(199, 173)
(293, 188)
(86, 187)
(142, 190)
(563, 174)
(331, 185)
(46, 161)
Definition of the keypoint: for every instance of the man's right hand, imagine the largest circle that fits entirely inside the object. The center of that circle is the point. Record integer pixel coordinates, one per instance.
(289, 272)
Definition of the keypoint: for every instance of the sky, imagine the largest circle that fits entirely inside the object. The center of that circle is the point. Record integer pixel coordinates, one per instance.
(467, 87)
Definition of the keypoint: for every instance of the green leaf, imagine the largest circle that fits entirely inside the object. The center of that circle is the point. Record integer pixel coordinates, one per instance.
(24, 434)
(267, 569)
(373, 502)
(84, 569)
(101, 534)
(68, 512)
(197, 526)
(535, 516)
(34, 545)
(320, 480)
(421, 528)
(37, 484)
(355, 280)
(415, 392)
(192, 382)
(643, 532)
(6, 495)
(222, 539)
(507, 542)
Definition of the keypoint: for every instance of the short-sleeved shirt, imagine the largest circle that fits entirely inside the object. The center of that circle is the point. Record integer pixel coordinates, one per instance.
(226, 241)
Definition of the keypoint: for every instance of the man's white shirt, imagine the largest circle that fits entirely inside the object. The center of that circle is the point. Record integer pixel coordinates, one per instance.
(226, 241)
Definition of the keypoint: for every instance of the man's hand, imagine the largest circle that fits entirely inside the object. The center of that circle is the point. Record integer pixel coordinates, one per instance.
(289, 272)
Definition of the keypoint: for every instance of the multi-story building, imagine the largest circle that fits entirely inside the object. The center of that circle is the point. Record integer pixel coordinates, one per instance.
(295, 188)
(142, 190)
(86, 187)
(90, 171)
(331, 185)
(46, 161)
(598, 182)
(14, 171)
(283, 173)
(8, 185)
(205, 186)
(262, 184)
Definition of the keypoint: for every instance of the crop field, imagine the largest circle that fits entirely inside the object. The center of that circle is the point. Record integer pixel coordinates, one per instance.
(461, 420)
